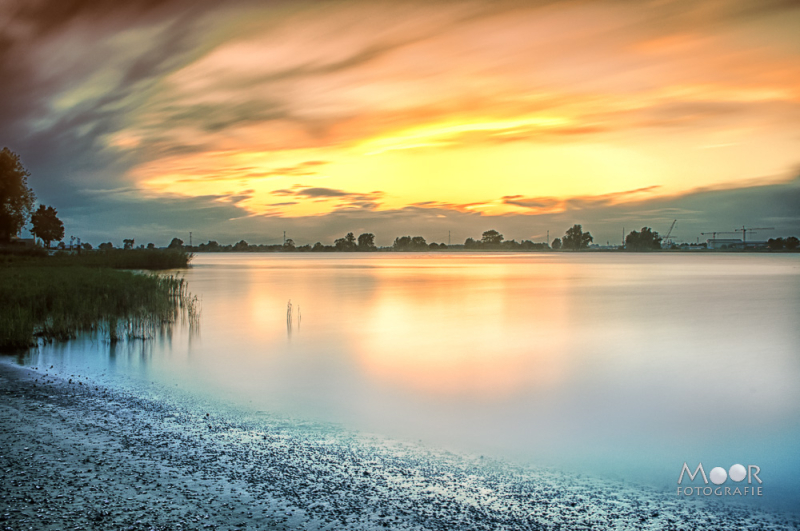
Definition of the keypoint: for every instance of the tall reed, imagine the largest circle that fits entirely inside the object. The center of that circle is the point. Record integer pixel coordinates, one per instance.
(57, 303)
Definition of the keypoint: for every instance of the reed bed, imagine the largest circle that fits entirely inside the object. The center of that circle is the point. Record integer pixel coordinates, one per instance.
(57, 303)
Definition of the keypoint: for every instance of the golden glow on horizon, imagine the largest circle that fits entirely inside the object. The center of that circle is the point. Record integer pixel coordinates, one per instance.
(515, 112)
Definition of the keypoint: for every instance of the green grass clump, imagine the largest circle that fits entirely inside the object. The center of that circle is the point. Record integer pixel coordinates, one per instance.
(56, 303)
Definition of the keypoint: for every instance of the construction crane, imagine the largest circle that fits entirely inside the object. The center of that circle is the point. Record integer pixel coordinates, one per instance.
(744, 230)
(667, 241)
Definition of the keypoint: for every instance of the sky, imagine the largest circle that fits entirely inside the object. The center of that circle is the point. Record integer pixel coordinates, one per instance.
(149, 119)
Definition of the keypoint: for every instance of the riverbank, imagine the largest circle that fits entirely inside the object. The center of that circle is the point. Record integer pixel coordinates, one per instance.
(56, 297)
(81, 456)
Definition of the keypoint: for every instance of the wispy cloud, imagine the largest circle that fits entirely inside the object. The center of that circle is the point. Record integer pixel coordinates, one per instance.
(511, 108)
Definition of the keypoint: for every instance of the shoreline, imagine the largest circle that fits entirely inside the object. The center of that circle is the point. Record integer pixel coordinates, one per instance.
(80, 456)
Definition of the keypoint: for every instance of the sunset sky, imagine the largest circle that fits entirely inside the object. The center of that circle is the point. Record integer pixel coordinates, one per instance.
(149, 118)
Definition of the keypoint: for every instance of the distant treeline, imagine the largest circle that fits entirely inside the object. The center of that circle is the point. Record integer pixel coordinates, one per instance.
(574, 239)
(491, 240)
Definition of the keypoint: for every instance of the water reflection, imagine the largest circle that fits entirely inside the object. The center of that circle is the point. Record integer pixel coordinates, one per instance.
(603, 362)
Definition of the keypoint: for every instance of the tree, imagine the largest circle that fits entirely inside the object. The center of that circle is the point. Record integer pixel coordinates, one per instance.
(46, 225)
(469, 243)
(127, 243)
(288, 245)
(240, 246)
(151, 246)
(106, 246)
(492, 237)
(576, 239)
(646, 240)
(556, 245)
(366, 242)
(16, 199)
(176, 243)
(348, 243)
(418, 243)
(776, 244)
(87, 246)
(792, 243)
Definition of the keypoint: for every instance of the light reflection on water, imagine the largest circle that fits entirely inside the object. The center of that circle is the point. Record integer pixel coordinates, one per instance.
(621, 365)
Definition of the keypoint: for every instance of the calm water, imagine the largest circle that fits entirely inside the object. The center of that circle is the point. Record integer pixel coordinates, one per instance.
(619, 365)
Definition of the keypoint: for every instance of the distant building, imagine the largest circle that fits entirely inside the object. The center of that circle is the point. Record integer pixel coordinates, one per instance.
(734, 243)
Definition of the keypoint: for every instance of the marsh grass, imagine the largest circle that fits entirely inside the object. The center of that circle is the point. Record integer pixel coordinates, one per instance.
(57, 303)
(146, 259)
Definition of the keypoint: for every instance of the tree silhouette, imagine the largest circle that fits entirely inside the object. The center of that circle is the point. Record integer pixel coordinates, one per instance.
(646, 240)
(348, 243)
(576, 239)
(176, 243)
(289, 244)
(241, 245)
(46, 225)
(366, 242)
(792, 243)
(107, 246)
(556, 245)
(407, 243)
(127, 243)
(492, 237)
(16, 199)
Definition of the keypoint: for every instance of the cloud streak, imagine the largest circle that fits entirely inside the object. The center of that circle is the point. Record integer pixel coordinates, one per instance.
(533, 108)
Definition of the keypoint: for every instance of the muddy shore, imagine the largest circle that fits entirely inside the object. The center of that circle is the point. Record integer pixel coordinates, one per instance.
(75, 455)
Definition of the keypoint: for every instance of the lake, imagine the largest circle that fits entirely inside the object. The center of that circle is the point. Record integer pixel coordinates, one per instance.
(618, 365)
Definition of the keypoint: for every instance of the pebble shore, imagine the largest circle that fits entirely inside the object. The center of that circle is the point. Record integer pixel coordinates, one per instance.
(76, 455)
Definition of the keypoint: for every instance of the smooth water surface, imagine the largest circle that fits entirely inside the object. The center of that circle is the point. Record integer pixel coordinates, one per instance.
(615, 364)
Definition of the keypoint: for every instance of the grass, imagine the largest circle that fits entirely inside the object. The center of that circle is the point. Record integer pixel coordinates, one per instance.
(149, 259)
(57, 297)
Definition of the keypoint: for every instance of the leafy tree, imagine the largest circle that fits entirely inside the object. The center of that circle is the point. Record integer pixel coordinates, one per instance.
(240, 246)
(776, 244)
(366, 242)
(646, 240)
(556, 245)
(469, 243)
(46, 225)
(318, 247)
(289, 244)
(16, 199)
(433, 246)
(402, 243)
(87, 246)
(576, 239)
(418, 243)
(407, 243)
(106, 246)
(151, 246)
(491, 237)
(348, 243)
(127, 243)
(176, 243)
(792, 243)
